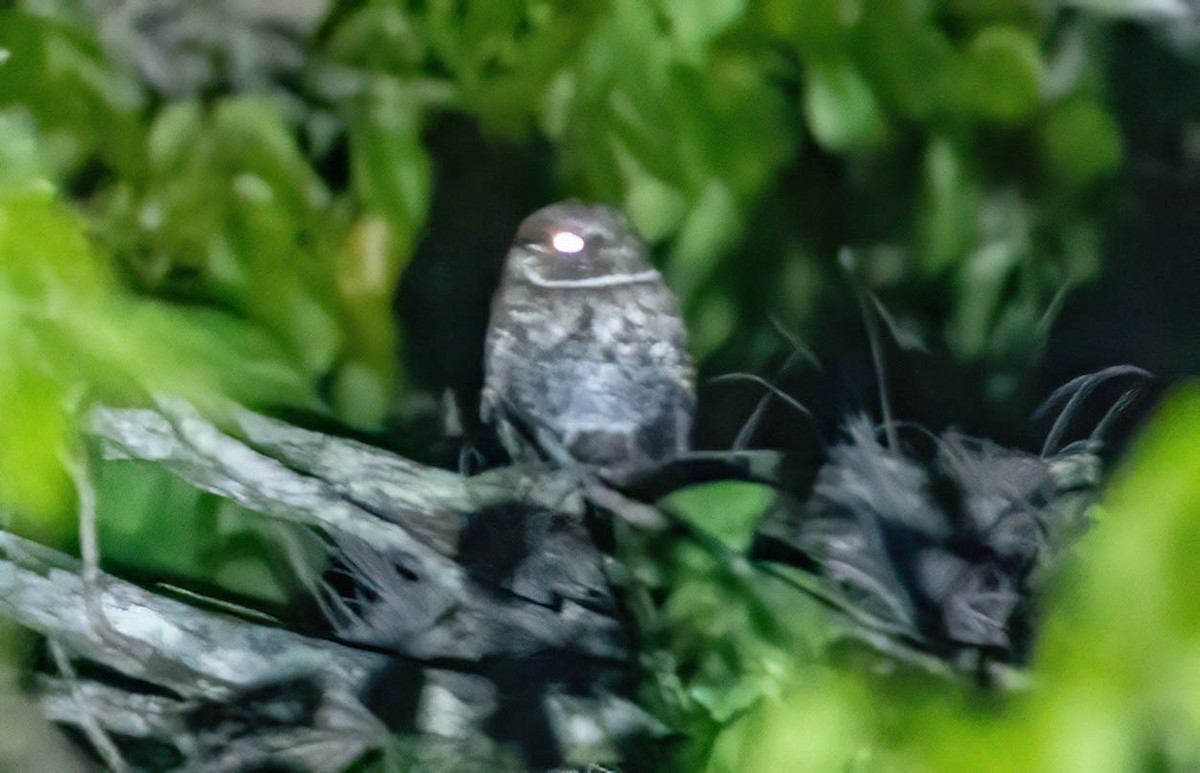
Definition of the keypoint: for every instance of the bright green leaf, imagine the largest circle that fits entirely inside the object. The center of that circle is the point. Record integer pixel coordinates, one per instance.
(840, 108)
(22, 167)
(729, 510)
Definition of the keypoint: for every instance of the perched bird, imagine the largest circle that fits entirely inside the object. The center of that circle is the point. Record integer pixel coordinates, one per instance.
(586, 358)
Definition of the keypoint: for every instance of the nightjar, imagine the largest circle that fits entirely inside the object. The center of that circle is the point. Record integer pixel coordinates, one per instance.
(586, 360)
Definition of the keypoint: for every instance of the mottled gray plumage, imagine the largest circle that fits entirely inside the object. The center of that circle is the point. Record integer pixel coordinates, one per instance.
(586, 360)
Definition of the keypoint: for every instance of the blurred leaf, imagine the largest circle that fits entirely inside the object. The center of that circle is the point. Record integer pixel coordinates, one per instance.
(911, 64)
(200, 352)
(256, 140)
(986, 275)
(231, 207)
(556, 104)
(746, 130)
(820, 28)
(1142, 10)
(707, 231)
(983, 279)
(1138, 669)
(841, 109)
(696, 24)
(390, 166)
(711, 320)
(58, 74)
(822, 725)
(152, 520)
(377, 36)
(977, 13)
(68, 332)
(728, 510)
(655, 207)
(517, 87)
(362, 395)
(368, 270)
(35, 438)
(22, 168)
(1005, 73)
(1081, 143)
(164, 527)
(950, 201)
(470, 35)
(174, 133)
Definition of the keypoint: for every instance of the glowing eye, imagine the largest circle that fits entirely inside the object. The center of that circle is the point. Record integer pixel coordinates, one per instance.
(565, 241)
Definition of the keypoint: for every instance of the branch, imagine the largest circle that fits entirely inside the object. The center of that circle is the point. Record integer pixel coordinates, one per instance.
(192, 652)
(426, 542)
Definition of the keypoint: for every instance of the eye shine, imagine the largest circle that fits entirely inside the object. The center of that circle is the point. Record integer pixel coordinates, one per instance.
(586, 362)
(567, 242)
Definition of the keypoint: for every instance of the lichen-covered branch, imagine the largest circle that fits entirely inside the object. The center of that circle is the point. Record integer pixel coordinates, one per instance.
(192, 652)
(490, 588)
(426, 542)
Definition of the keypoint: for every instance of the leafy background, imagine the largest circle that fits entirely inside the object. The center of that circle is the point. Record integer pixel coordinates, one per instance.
(303, 206)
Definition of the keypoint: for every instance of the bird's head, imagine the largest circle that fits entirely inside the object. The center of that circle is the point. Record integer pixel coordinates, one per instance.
(576, 244)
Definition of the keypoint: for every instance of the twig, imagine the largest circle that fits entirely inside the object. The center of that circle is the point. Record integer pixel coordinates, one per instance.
(99, 739)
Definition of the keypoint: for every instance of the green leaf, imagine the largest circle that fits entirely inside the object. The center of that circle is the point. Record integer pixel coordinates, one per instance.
(707, 232)
(68, 332)
(35, 437)
(22, 166)
(986, 313)
(981, 284)
(1081, 143)
(200, 353)
(823, 724)
(256, 138)
(712, 317)
(232, 203)
(174, 134)
(1005, 73)
(557, 102)
(390, 166)
(819, 28)
(840, 108)
(655, 207)
(728, 510)
(911, 63)
(740, 127)
(1141, 655)
(165, 527)
(368, 269)
(377, 37)
(695, 25)
(949, 211)
(56, 71)
(151, 519)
